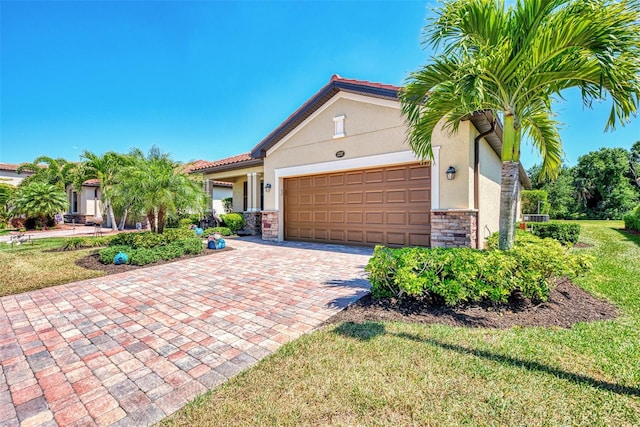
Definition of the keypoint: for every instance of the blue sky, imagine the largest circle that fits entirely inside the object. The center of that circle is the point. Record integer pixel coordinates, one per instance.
(206, 79)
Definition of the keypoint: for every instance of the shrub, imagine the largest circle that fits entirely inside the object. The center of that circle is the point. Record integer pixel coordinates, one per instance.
(191, 246)
(234, 221)
(458, 275)
(185, 223)
(567, 234)
(225, 231)
(173, 234)
(107, 254)
(632, 219)
(74, 243)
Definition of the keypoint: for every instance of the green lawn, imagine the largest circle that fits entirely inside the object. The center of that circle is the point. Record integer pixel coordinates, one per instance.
(406, 374)
(33, 265)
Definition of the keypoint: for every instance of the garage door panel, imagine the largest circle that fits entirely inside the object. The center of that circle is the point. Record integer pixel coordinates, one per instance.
(375, 196)
(376, 218)
(354, 197)
(396, 196)
(379, 206)
(354, 217)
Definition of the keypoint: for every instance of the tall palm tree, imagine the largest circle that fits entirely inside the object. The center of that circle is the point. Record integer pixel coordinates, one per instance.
(104, 168)
(513, 61)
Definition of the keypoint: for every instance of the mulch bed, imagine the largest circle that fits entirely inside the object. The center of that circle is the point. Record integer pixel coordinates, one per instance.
(92, 262)
(567, 305)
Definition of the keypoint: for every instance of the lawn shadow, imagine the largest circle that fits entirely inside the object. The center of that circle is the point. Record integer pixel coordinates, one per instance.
(370, 330)
(628, 236)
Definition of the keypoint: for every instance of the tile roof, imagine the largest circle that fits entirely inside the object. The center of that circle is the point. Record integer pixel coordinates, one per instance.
(337, 78)
(92, 182)
(12, 167)
(229, 161)
(221, 184)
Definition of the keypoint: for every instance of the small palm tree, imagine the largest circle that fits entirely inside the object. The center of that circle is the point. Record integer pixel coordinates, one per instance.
(160, 187)
(40, 200)
(513, 61)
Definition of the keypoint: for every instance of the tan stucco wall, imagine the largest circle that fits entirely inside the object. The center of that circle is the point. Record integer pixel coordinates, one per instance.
(455, 150)
(370, 129)
(490, 176)
(88, 203)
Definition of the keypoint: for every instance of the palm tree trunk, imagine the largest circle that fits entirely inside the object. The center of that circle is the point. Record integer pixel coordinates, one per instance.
(124, 218)
(114, 224)
(509, 196)
(161, 220)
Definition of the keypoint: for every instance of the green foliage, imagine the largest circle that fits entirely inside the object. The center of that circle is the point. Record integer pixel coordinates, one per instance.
(173, 234)
(185, 223)
(567, 234)
(107, 254)
(227, 204)
(225, 231)
(531, 199)
(142, 255)
(460, 275)
(604, 188)
(632, 219)
(74, 243)
(40, 200)
(234, 221)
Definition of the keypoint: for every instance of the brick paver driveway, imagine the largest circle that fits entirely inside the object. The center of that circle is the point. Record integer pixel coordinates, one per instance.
(132, 348)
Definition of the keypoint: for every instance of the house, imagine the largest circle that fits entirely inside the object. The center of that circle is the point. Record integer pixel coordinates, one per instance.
(339, 170)
(9, 174)
(85, 205)
(216, 191)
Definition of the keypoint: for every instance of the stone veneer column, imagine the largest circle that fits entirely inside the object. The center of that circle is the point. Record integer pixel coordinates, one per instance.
(270, 225)
(252, 223)
(454, 228)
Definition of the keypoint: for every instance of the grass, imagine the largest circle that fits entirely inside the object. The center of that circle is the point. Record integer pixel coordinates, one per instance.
(380, 373)
(29, 266)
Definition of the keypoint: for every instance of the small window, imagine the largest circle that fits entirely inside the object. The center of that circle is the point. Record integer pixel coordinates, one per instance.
(74, 202)
(338, 127)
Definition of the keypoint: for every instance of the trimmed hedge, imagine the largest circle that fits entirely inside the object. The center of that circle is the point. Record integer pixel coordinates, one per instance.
(459, 275)
(632, 219)
(144, 255)
(225, 231)
(74, 243)
(567, 234)
(234, 221)
(149, 239)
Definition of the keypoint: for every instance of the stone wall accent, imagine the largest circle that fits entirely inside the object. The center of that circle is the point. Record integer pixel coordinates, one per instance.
(252, 224)
(454, 228)
(270, 225)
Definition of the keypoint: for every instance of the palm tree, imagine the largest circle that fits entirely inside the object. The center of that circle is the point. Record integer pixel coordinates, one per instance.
(58, 172)
(160, 187)
(513, 61)
(39, 199)
(104, 168)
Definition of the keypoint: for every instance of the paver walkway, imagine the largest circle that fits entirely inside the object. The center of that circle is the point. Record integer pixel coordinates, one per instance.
(131, 348)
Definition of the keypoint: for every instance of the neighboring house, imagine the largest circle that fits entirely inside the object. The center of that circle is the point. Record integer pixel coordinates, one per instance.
(84, 205)
(217, 191)
(9, 174)
(339, 170)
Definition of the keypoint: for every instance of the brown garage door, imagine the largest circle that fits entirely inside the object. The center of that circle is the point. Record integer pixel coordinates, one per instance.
(382, 206)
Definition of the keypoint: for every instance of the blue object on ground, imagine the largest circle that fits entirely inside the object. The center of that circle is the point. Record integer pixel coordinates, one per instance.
(216, 244)
(198, 231)
(121, 258)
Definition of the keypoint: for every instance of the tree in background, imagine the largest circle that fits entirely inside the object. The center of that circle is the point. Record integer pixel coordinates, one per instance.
(40, 200)
(561, 190)
(58, 172)
(604, 186)
(634, 163)
(512, 61)
(6, 192)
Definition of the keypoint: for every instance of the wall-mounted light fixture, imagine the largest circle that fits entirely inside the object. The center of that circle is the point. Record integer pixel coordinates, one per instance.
(267, 187)
(451, 173)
